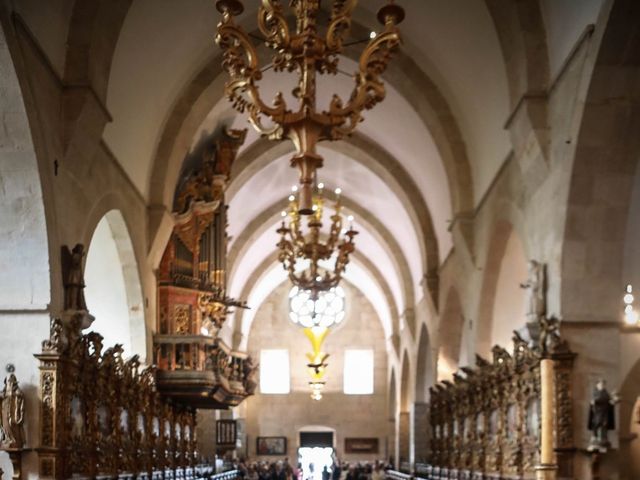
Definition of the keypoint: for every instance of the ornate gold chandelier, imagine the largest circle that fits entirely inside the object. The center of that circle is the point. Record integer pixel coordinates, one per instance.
(294, 245)
(316, 300)
(306, 51)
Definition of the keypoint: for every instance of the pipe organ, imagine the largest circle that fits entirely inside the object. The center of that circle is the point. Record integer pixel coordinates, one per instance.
(194, 365)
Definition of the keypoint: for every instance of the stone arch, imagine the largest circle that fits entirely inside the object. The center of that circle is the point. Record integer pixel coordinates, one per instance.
(523, 40)
(606, 155)
(450, 335)
(522, 35)
(270, 216)
(114, 292)
(198, 98)
(502, 301)
(393, 396)
(403, 425)
(628, 423)
(25, 255)
(424, 367)
(205, 90)
(93, 34)
(405, 383)
(373, 157)
(24, 249)
(235, 331)
(600, 203)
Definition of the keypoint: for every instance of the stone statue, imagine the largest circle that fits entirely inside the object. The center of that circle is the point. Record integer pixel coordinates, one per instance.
(536, 290)
(73, 278)
(601, 417)
(249, 372)
(12, 417)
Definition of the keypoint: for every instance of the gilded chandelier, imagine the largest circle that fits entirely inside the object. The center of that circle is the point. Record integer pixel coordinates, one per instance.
(294, 245)
(307, 52)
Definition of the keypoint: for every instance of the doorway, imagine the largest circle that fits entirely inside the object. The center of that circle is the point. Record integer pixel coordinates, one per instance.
(314, 460)
(315, 454)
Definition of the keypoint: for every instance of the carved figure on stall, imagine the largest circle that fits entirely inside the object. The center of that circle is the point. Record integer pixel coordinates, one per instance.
(73, 278)
(12, 417)
(601, 417)
(549, 334)
(54, 343)
(536, 291)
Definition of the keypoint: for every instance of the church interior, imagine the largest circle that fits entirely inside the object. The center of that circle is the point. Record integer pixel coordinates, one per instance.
(320, 239)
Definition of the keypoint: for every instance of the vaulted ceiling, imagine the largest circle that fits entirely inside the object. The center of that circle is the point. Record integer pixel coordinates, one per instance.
(424, 156)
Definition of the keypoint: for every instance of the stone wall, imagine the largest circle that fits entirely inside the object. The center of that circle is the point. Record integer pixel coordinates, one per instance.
(349, 415)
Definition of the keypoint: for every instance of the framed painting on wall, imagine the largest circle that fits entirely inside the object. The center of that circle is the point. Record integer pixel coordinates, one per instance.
(271, 445)
(361, 445)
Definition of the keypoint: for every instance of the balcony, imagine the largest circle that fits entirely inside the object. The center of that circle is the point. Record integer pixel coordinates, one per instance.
(202, 371)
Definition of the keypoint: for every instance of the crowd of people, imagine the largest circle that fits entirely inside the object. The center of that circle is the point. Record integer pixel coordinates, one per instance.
(283, 470)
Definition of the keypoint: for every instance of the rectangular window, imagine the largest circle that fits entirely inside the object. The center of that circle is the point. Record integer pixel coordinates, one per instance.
(358, 372)
(274, 371)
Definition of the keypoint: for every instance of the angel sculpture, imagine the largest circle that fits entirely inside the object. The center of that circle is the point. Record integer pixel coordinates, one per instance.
(73, 278)
(12, 415)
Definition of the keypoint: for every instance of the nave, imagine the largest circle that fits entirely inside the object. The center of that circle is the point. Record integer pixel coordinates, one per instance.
(253, 239)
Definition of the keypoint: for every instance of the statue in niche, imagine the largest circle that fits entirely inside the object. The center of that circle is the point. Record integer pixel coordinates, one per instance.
(12, 418)
(536, 291)
(73, 278)
(601, 417)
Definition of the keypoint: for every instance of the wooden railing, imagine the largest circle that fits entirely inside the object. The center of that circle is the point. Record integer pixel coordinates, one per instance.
(201, 371)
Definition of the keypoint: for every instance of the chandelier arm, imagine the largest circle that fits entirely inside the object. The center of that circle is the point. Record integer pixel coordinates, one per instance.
(273, 25)
(369, 89)
(336, 227)
(342, 259)
(340, 24)
(240, 60)
(296, 232)
(274, 132)
(239, 55)
(236, 87)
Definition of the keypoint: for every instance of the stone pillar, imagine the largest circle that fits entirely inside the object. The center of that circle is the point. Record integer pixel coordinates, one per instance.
(547, 468)
(206, 434)
(402, 439)
(390, 447)
(419, 433)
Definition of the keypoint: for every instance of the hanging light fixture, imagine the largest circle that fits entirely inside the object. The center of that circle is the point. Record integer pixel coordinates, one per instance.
(630, 314)
(297, 249)
(316, 315)
(307, 52)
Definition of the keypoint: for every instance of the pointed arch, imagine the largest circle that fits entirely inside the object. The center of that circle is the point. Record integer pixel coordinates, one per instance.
(451, 327)
(113, 291)
(502, 300)
(393, 396)
(424, 368)
(405, 383)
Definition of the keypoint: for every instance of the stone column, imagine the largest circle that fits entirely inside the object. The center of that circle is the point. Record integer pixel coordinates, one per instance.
(547, 468)
(402, 439)
(206, 434)
(419, 433)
